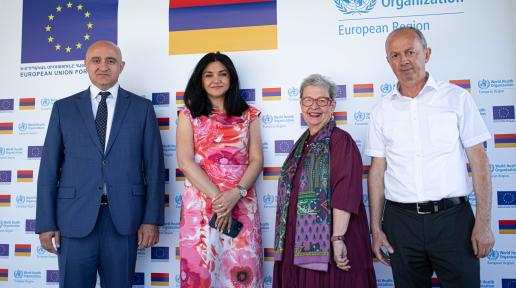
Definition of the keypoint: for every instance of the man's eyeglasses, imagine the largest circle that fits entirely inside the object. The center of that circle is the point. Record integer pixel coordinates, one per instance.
(321, 101)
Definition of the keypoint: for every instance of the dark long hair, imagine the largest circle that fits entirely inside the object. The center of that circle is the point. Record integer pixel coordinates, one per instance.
(196, 99)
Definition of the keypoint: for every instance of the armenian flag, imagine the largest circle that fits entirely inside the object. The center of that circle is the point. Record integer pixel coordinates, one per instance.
(159, 279)
(505, 140)
(507, 226)
(466, 84)
(164, 123)
(166, 200)
(6, 127)
(271, 173)
(24, 176)
(5, 200)
(268, 254)
(178, 253)
(201, 26)
(341, 118)
(271, 94)
(180, 98)
(22, 250)
(180, 176)
(365, 171)
(27, 103)
(468, 167)
(4, 274)
(363, 90)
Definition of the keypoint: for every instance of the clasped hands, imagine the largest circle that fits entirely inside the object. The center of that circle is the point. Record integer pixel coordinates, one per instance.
(223, 204)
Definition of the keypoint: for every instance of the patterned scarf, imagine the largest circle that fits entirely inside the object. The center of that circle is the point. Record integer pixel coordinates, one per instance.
(313, 223)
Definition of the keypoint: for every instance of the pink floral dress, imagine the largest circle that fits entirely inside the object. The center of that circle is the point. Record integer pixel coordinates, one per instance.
(208, 257)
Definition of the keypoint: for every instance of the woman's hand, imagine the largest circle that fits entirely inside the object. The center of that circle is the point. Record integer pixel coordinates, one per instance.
(224, 202)
(223, 223)
(340, 255)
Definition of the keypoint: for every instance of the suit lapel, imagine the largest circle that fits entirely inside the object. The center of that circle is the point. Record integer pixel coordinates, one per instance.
(122, 104)
(84, 106)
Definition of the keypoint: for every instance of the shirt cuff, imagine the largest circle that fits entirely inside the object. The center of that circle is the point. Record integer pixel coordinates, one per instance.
(374, 153)
(476, 140)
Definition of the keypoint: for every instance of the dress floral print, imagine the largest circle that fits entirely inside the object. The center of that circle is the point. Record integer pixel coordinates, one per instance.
(208, 257)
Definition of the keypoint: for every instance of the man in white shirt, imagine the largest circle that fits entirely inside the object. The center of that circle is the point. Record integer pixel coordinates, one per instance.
(418, 140)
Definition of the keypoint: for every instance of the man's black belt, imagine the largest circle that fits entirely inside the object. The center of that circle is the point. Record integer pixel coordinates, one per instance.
(430, 207)
(103, 200)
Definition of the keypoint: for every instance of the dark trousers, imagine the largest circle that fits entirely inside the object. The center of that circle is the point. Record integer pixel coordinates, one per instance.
(103, 251)
(437, 242)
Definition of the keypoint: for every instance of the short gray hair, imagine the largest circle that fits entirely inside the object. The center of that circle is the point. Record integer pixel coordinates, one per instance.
(319, 80)
(408, 28)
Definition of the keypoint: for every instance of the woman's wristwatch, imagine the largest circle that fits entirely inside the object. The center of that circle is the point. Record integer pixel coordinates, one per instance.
(337, 238)
(243, 191)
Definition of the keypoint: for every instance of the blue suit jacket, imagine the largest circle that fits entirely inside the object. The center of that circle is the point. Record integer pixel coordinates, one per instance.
(74, 168)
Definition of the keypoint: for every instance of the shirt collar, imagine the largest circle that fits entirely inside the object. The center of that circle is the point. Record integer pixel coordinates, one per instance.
(429, 85)
(94, 91)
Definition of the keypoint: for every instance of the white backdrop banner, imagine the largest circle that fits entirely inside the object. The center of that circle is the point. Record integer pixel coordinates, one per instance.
(44, 42)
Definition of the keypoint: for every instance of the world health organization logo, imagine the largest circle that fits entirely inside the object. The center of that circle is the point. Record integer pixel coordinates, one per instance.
(2, 151)
(23, 126)
(386, 88)
(493, 255)
(355, 6)
(483, 84)
(18, 274)
(293, 92)
(359, 116)
(267, 119)
(20, 199)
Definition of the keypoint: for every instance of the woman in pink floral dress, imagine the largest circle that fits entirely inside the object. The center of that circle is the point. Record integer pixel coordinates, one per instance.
(219, 151)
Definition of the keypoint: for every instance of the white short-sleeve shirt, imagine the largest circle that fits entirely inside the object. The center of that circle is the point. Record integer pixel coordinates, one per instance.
(423, 141)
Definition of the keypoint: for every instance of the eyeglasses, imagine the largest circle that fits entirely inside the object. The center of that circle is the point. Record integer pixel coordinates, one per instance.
(410, 53)
(321, 101)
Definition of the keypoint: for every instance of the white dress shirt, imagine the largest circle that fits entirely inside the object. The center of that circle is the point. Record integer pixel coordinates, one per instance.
(110, 102)
(423, 141)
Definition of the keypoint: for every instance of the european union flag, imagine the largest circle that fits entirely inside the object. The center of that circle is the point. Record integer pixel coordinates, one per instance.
(30, 225)
(52, 276)
(248, 95)
(139, 278)
(283, 146)
(167, 175)
(34, 151)
(6, 104)
(506, 197)
(62, 31)
(508, 283)
(4, 250)
(503, 112)
(5, 176)
(162, 98)
(159, 254)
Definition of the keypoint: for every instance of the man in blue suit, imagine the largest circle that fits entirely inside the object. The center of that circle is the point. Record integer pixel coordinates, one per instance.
(101, 178)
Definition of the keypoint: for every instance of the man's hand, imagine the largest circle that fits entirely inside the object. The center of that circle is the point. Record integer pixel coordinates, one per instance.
(482, 239)
(379, 240)
(148, 235)
(45, 239)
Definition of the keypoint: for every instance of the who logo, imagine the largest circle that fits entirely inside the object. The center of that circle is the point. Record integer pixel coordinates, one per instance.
(355, 6)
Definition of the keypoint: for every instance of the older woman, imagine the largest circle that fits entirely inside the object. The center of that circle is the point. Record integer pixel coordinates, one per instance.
(322, 237)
